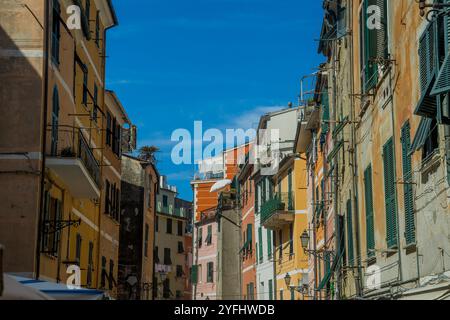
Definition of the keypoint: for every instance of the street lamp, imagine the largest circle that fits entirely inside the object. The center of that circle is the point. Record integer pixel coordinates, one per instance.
(304, 239)
(287, 280)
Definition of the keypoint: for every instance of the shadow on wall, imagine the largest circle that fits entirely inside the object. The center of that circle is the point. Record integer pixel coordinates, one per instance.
(21, 84)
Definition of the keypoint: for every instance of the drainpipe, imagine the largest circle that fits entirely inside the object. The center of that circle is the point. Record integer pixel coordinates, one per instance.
(313, 169)
(358, 280)
(43, 139)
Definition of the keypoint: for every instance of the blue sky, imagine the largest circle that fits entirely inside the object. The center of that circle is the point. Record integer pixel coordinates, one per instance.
(224, 62)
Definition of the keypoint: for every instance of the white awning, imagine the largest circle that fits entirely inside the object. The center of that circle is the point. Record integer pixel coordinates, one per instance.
(219, 185)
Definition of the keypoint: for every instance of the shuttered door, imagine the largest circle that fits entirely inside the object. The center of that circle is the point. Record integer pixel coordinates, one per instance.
(410, 229)
(370, 232)
(269, 243)
(390, 196)
(350, 233)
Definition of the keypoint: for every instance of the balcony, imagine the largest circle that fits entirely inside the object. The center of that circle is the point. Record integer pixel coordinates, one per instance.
(279, 211)
(309, 119)
(72, 160)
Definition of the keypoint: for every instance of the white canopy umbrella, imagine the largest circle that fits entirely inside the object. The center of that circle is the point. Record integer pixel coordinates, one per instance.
(219, 185)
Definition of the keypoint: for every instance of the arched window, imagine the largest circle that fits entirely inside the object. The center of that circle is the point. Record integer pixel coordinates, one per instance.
(55, 121)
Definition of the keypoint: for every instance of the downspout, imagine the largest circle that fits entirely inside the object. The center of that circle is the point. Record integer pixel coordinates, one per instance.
(358, 279)
(314, 206)
(43, 139)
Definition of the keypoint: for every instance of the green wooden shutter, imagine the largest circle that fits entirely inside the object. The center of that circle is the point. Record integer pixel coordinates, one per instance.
(350, 232)
(257, 190)
(260, 245)
(370, 232)
(270, 290)
(269, 243)
(194, 274)
(410, 229)
(249, 236)
(427, 105)
(325, 111)
(390, 194)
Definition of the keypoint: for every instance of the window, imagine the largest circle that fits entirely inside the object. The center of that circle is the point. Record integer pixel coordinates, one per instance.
(87, 11)
(180, 228)
(167, 258)
(410, 228)
(290, 192)
(97, 29)
(431, 140)
(165, 201)
(95, 106)
(56, 31)
(291, 240)
(104, 274)
(209, 236)
(108, 129)
(156, 253)
(107, 197)
(280, 237)
(427, 68)
(169, 226)
(270, 290)
(55, 122)
(260, 245)
(111, 279)
(90, 268)
(194, 274)
(249, 238)
(166, 289)
(78, 249)
(85, 85)
(390, 194)
(350, 232)
(179, 271)
(157, 224)
(180, 247)
(146, 240)
(200, 236)
(374, 44)
(251, 291)
(210, 274)
(370, 231)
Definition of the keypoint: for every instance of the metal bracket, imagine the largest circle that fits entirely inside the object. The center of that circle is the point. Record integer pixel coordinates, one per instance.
(52, 226)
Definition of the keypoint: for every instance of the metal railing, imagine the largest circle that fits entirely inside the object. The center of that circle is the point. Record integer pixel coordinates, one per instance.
(70, 143)
(280, 202)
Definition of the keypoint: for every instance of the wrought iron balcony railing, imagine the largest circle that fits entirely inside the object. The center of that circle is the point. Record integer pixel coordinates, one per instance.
(66, 143)
(280, 202)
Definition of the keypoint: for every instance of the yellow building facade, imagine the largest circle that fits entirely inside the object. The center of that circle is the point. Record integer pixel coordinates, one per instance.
(286, 215)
